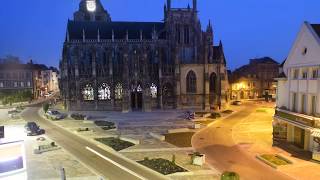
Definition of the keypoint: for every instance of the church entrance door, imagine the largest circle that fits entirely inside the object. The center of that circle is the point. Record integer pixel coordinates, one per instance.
(136, 101)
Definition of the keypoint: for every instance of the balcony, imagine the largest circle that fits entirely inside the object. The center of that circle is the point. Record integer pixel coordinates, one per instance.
(297, 118)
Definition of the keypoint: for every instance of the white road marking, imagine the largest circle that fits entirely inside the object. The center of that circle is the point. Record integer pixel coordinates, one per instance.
(115, 163)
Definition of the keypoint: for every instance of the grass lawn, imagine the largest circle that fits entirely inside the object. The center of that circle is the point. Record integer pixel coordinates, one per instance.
(180, 139)
(115, 143)
(261, 110)
(275, 159)
(162, 166)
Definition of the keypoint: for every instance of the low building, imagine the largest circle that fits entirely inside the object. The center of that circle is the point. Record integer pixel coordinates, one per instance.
(255, 80)
(33, 79)
(297, 117)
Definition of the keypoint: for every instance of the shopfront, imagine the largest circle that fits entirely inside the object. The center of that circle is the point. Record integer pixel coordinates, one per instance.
(299, 137)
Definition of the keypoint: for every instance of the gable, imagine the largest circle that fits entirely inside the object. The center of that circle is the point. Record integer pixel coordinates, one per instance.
(306, 49)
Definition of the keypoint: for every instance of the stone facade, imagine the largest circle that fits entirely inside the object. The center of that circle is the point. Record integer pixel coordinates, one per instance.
(255, 80)
(127, 66)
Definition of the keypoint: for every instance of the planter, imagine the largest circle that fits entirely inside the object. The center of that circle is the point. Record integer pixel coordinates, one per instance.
(198, 159)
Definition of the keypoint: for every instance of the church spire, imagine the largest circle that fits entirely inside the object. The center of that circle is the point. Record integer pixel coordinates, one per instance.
(91, 10)
(169, 4)
(195, 8)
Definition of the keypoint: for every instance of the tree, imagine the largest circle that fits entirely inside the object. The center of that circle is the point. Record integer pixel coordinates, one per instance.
(46, 107)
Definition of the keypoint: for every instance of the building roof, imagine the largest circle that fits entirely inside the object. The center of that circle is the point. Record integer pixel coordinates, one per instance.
(282, 75)
(13, 66)
(120, 29)
(264, 60)
(316, 28)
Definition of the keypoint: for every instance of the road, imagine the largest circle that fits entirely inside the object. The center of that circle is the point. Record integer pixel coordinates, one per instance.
(216, 141)
(106, 164)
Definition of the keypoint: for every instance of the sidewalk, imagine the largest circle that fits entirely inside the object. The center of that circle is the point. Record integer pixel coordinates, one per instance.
(254, 134)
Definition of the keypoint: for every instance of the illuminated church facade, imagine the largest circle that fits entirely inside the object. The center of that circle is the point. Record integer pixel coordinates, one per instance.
(126, 66)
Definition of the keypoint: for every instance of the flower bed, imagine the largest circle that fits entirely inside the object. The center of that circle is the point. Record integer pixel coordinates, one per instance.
(162, 166)
(215, 115)
(275, 159)
(115, 143)
(78, 116)
(105, 125)
(227, 112)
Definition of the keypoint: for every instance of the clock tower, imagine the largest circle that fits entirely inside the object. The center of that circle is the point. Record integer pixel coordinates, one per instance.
(91, 10)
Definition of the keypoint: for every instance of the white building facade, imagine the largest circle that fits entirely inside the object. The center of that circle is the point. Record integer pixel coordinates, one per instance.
(297, 115)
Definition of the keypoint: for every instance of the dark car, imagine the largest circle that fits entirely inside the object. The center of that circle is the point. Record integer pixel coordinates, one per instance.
(32, 129)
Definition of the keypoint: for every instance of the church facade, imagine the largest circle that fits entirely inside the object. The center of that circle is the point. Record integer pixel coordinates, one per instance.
(126, 66)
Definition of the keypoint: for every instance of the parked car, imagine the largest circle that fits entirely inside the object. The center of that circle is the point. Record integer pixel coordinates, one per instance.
(55, 115)
(32, 129)
(237, 103)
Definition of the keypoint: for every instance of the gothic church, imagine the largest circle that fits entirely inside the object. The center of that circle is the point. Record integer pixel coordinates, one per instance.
(128, 66)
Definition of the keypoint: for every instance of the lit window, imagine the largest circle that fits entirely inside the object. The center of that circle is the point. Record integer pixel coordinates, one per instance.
(87, 93)
(139, 89)
(118, 91)
(29, 84)
(154, 90)
(296, 74)
(104, 92)
(22, 84)
(15, 84)
(314, 73)
(305, 74)
(1, 84)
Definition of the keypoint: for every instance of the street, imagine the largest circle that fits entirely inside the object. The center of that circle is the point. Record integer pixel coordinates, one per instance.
(106, 164)
(216, 141)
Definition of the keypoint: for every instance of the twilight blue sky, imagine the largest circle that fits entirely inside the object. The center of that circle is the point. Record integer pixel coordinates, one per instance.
(248, 28)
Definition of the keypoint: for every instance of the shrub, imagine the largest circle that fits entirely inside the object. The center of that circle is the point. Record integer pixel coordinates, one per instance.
(46, 107)
(230, 176)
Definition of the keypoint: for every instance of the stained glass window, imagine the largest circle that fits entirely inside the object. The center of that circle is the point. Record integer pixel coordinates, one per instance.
(118, 91)
(154, 90)
(88, 93)
(191, 82)
(104, 92)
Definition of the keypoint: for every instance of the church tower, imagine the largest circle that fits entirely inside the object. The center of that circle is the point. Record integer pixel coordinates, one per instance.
(91, 10)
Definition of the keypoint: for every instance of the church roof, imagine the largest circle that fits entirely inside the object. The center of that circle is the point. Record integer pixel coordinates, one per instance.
(120, 29)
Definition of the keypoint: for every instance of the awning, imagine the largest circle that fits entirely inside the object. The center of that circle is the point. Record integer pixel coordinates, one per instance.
(315, 134)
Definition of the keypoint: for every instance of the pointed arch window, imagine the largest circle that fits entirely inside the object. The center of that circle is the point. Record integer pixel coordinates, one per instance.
(213, 82)
(191, 82)
(104, 92)
(154, 91)
(88, 93)
(118, 91)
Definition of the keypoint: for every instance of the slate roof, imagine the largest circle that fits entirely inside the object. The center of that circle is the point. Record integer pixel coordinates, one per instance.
(28, 66)
(218, 53)
(282, 75)
(75, 29)
(316, 28)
